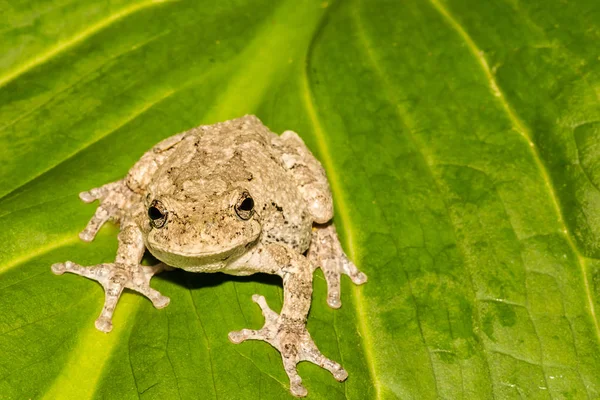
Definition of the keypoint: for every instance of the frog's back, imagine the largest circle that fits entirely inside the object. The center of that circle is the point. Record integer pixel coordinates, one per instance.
(234, 134)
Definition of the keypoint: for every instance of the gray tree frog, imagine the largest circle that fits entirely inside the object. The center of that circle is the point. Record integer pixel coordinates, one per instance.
(231, 197)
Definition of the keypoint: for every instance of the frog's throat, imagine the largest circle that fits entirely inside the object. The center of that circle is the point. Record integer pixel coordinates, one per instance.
(211, 267)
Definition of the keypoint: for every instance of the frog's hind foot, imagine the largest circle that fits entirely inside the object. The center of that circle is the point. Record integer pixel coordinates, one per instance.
(294, 343)
(114, 278)
(326, 252)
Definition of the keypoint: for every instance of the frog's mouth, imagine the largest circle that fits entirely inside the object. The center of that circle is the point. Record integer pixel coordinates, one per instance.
(194, 260)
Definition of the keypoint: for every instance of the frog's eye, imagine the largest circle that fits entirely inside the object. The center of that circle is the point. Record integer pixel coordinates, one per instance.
(157, 214)
(244, 207)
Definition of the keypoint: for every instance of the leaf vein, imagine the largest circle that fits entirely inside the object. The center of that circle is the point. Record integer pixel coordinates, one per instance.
(81, 79)
(261, 371)
(76, 39)
(526, 134)
(344, 216)
(164, 95)
(169, 356)
(426, 158)
(212, 370)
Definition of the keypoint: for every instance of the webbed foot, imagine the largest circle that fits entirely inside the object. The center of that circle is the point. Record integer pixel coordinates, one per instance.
(114, 278)
(326, 252)
(293, 341)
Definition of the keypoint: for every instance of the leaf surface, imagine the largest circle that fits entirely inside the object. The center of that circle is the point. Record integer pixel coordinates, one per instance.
(461, 139)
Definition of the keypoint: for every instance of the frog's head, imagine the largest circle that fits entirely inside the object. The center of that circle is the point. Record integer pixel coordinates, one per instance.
(199, 229)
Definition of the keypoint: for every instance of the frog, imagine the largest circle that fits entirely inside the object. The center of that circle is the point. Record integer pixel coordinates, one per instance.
(231, 197)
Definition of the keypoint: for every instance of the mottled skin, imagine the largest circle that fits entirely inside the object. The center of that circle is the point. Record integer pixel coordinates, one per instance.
(235, 198)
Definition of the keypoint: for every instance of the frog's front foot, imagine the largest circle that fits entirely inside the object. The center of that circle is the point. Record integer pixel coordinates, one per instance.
(326, 252)
(114, 278)
(113, 198)
(293, 341)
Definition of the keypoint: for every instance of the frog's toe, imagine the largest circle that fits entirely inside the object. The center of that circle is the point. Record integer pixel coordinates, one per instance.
(100, 193)
(104, 324)
(238, 337)
(59, 268)
(100, 217)
(161, 302)
(296, 386)
(311, 353)
(270, 315)
(353, 272)
(332, 277)
(88, 196)
(257, 334)
(254, 334)
(93, 272)
(141, 284)
(298, 389)
(113, 198)
(157, 299)
(326, 252)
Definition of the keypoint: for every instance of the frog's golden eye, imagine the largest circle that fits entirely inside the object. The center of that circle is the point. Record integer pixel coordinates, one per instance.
(157, 214)
(244, 208)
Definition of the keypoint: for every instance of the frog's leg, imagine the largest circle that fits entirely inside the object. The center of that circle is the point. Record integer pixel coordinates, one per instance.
(326, 252)
(125, 272)
(116, 203)
(308, 173)
(114, 199)
(286, 331)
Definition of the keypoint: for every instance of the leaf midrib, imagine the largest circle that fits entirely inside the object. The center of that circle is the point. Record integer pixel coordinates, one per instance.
(334, 181)
(401, 115)
(344, 216)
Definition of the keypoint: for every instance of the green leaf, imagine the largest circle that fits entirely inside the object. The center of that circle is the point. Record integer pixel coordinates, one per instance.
(462, 142)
